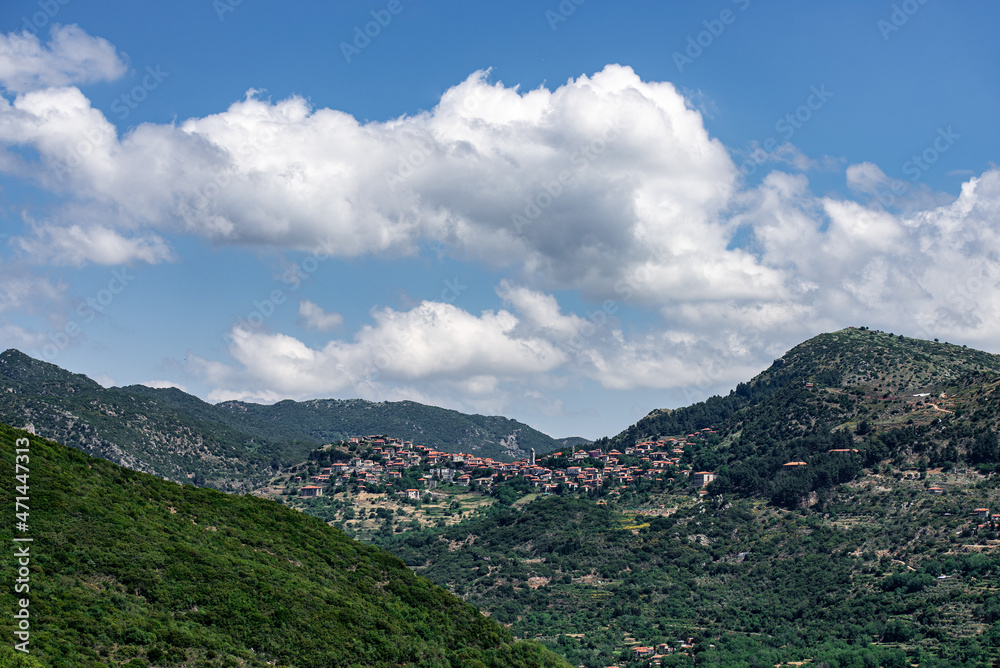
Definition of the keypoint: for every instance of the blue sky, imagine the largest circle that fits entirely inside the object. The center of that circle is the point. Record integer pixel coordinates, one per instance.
(567, 213)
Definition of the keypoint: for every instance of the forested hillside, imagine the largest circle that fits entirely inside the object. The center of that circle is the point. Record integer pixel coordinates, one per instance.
(860, 361)
(887, 576)
(915, 404)
(136, 430)
(854, 519)
(127, 569)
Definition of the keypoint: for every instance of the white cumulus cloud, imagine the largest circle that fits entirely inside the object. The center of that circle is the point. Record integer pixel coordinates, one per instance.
(163, 384)
(571, 185)
(92, 244)
(70, 57)
(312, 316)
(607, 186)
(433, 343)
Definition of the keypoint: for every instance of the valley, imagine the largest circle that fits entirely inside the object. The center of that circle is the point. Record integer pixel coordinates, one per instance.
(842, 508)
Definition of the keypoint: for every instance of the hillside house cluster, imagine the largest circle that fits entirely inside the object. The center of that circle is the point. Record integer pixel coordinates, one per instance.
(660, 651)
(381, 460)
(990, 521)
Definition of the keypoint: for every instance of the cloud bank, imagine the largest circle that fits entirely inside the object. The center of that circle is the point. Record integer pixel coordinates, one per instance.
(607, 186)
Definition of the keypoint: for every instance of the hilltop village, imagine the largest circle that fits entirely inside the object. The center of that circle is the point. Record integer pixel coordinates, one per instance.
(382, 464)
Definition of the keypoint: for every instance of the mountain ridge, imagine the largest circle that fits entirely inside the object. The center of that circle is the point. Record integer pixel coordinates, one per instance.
(853, 520)
(810, 362)
(860, 461)
(232, 445)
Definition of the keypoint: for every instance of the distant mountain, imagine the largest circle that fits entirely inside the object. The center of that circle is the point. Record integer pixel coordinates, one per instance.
(327, 420)
(574, 441)
(135, 429)
(126, 569)
(232, 446)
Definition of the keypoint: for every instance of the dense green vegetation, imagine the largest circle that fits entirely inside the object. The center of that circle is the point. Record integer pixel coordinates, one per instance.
(915, 403)
(877, 365)
(128, 569)
(752, 585)
(234, 446)
(837, 561)
(866, 556)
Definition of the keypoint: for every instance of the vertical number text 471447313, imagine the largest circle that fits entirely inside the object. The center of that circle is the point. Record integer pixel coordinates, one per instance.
(22, 551)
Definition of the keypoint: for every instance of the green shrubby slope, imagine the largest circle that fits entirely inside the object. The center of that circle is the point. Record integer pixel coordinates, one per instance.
(870, 554)
(897, 401)
(749, 582)
(129, 569)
